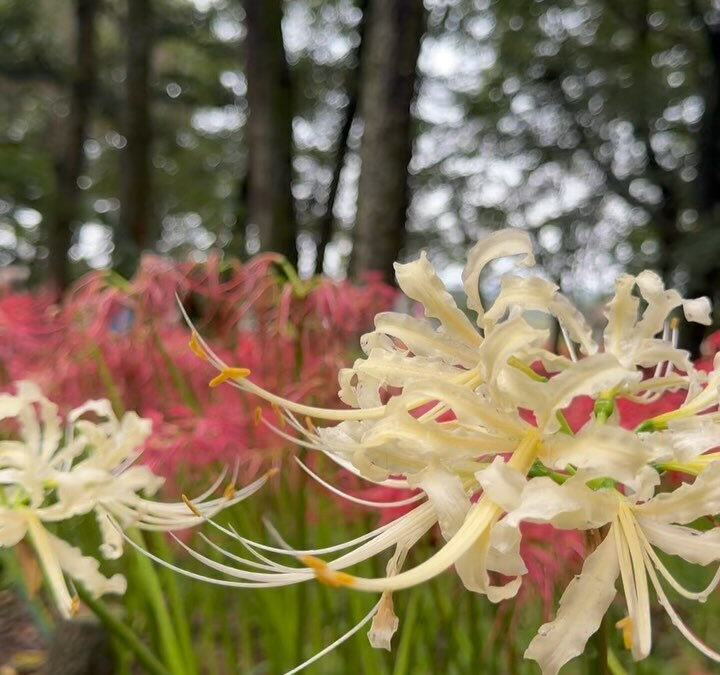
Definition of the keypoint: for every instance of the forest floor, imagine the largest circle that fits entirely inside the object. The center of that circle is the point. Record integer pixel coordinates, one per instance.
(21, 645)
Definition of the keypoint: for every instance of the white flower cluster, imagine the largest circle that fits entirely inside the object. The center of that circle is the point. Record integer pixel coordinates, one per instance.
(50, 472)
(458, 409)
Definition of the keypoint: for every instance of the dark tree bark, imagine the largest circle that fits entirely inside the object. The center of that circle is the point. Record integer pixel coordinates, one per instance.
(394, 29)
(269, 129)
(704, 270)
(70, 160)
(79, 647)
(136, 230)
(326, 220)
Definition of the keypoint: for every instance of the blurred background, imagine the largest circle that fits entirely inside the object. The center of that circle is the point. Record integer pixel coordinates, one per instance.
(345, 134)
(213, 148)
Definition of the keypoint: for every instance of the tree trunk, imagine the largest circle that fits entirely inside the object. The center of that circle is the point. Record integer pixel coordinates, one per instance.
(269, 129)
(136, 230)
(326, 220)
(79, 647)
(703, 262)
(394, 29)
(69, 163)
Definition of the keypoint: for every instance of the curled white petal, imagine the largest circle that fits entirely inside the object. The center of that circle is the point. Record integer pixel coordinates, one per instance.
(419, 281)
(507, 242)
(689, 501)
(582, 607)
(698, 310)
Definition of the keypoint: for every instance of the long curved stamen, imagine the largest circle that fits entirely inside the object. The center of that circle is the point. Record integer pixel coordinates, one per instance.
(288, 550)
(691, 595)
(236, 377)
(641, 618)
(357, 500)
(568, 342)
(248, 575)
(337, 642)
(248, 545)
(705, 399)
(394, 483)
(351, 414)
(280, 579)
(665, 337)
(268, 566)
(480, 517)
(148, 512)
(675, 618)
(409, 527)
(626, 568)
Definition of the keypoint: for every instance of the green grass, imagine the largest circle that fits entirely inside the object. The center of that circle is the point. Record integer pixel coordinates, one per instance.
(199, 628)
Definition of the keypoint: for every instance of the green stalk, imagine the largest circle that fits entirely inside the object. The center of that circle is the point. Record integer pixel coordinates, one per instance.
(301, 589)
(186, 393)
(602, 409)
(107, 380)
(599, 645)
(123, 632)
(177, 606)
(614, 663)
(148, 578)
(13, 568)
(598, 660)
(402, 661)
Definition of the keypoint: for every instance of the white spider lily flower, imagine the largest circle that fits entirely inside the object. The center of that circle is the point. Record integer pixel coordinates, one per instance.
(445, 407)
(49, 474)
(628, 551)
(472, 386)
(632, 338)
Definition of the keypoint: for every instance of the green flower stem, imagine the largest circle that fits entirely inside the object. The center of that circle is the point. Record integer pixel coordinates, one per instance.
(598, 653)
(107, 379)
(614, 663)
(602, 409)
(301, 589)
(177, 606)
(402, 660)
(598, 661)
(150, 582)
(123, 633)
(539, 469)
(13, 568)
(188, 396)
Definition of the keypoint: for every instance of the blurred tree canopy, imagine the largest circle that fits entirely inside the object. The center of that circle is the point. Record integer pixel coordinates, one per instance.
(128, 125)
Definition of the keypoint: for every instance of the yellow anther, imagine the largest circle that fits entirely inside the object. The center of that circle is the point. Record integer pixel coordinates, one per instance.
(229, 491)
(278, 413)
(257, 416)
(74, 605)
(626, 626)
(324, 574)
(272, 472)
(195, 346)
(674, 323)
(229, 374)
(191, 506)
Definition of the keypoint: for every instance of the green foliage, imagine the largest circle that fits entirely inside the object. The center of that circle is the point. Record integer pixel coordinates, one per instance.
(443, 628)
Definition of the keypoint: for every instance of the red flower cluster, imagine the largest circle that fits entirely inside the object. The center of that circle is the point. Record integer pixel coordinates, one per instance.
(126, 341)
